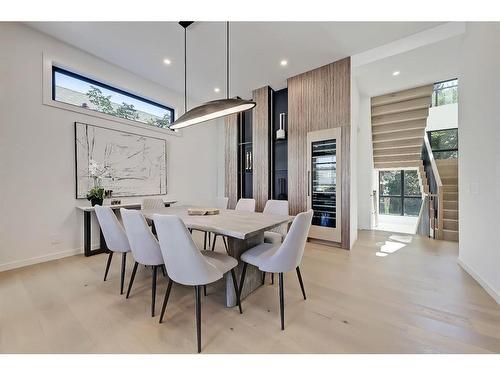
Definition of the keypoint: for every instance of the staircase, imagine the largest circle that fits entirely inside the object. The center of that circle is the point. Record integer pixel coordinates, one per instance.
(398, 127)
(448, 171)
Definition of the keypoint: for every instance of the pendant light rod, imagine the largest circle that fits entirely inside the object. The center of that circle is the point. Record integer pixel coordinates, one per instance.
(227, 60)
(185, 25)
(185, 69)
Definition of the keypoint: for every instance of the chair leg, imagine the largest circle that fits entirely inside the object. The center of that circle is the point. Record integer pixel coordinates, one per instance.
(301, 283)
(272, 278)
(165, 299)
(198, 316)
(163, 270)
(242, 279)
(122, 281)
(205, 241)
(110, 256)
(263, 278)
(225, 243)
(236, 290)
(132, 278)
(153, 293)
(282, 302)
(213, 243)
(204, 290)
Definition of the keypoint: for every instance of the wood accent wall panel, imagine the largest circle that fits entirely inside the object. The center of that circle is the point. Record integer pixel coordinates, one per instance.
(260, 147)
(231, 159)
(319, 99)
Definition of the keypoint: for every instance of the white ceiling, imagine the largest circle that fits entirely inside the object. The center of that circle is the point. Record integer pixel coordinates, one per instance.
(428, 64)
(256, 49)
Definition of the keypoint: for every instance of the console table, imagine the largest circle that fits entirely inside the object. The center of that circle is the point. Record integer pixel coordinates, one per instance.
(87, 227)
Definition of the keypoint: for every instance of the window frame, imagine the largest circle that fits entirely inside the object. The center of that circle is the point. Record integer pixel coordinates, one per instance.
(96, 69)
(57, 69)
(434, 97)
(401, 196)
(429, 135)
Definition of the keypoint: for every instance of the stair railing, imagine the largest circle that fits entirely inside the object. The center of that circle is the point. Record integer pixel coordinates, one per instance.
(436, 195)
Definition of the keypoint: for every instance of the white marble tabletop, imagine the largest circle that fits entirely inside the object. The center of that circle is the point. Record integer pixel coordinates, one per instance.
(121, 205)
(231, 223)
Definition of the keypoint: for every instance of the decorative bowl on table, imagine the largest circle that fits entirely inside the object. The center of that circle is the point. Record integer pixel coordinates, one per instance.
(203, 211)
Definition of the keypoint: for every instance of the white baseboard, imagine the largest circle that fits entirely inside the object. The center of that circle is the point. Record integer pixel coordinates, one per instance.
(40, 259)
(487, 287)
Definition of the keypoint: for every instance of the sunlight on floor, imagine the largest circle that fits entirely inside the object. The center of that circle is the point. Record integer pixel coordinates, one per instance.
(389, 247)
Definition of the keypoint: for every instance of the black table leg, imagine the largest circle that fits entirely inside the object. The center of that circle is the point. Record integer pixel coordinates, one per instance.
(87, 237)
(86, 233)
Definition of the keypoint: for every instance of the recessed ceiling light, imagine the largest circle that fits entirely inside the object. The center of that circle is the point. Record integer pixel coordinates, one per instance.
(396, 73)
(217, 89)
(167, 61)
(283, 62)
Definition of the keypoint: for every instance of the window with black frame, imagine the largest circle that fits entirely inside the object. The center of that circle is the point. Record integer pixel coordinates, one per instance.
(445, 92)
(84, 92)
(399, 193)
(444, 143)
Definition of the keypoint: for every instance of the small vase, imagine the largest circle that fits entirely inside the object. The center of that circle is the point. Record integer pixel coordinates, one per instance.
(94, 201)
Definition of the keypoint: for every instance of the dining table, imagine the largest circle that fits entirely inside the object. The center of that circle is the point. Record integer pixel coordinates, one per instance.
(243, 231)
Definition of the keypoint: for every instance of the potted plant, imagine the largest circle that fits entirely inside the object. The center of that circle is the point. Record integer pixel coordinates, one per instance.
(96, 196)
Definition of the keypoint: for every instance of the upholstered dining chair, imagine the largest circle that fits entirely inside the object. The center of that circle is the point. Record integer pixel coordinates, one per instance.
(145, 248)
(115, 238)
(281, 258)
(245, 204)
(148, 203)
(186, 265)
(275, 235)
(222, 204)
(276, 207)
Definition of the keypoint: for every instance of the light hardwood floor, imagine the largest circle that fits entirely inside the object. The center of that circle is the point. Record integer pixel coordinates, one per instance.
(412, 300)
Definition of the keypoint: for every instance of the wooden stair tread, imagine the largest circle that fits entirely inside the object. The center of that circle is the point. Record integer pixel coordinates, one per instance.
(402, 106)
(418, 114)
(418, 92)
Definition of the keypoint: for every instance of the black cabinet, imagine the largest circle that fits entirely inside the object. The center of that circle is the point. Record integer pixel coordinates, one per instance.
(245, 155)
(279, 146)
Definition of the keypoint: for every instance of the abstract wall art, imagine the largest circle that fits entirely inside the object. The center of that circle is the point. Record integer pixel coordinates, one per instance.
(128, 164)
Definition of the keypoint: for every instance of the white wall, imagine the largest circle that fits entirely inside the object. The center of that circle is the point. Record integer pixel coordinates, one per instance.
(365, 165)
(479, 161)
(354, 161)
(443, 116)
(37, 184)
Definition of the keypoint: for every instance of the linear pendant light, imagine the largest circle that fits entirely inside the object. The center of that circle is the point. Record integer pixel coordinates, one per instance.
(215, 108)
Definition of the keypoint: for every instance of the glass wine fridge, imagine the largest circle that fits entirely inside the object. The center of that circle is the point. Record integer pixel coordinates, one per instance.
(323, 183)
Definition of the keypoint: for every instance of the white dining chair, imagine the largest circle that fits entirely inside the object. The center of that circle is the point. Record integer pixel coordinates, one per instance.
(115, 237)
(145, 248)
(245, 204)
(276, 207)
(186, 265)
(148, 203)
(222, 204)
(281, 258)
(152, 203)
(275, 235)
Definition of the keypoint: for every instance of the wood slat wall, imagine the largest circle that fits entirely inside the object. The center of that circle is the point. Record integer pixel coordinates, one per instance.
(261, 122)
(231, 159)
(319, 99)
